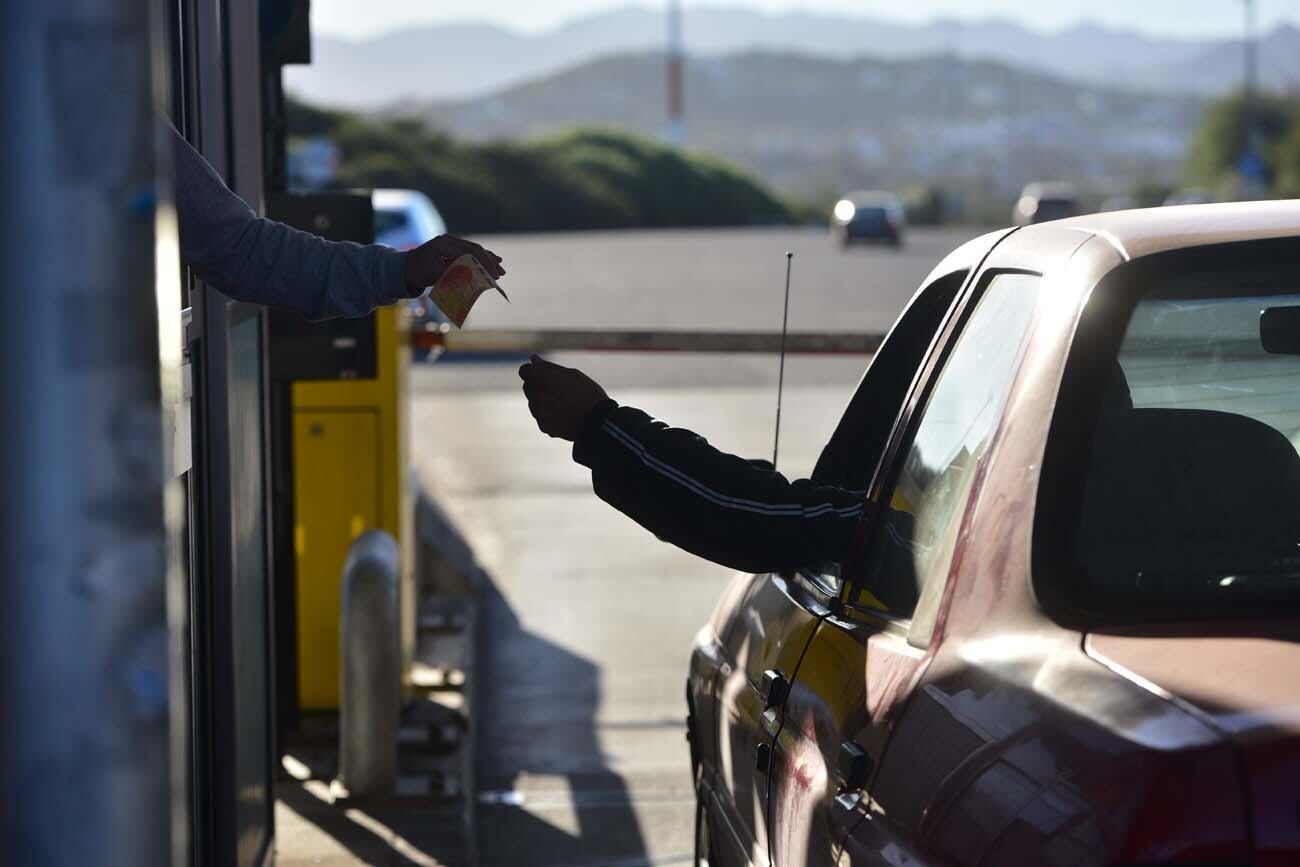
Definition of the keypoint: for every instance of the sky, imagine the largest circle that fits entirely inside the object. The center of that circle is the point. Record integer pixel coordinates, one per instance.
(1172, 18)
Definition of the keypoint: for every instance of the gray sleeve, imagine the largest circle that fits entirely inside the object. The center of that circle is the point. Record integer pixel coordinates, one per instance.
(254, 259)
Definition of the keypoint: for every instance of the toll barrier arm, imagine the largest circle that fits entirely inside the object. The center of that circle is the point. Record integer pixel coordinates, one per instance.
(442, 338)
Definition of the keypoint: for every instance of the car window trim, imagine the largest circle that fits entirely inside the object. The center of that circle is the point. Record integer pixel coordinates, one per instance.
(883, 470)
(816, 581)
(886, 475)
(930, 611)
(883, 474)
(916, 300)
(813, 582)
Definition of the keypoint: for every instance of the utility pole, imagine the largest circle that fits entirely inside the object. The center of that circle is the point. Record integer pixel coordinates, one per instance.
(676, 132)
(959, 88)
(1250, 167)
(1251, 52)
(84, 679)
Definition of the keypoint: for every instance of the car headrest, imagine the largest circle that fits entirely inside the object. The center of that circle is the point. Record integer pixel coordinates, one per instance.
(1118, 395)
(1186, 495)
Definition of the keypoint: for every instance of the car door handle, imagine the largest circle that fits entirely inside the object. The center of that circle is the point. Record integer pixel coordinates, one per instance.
(763, 758)
(775, 688)
(854, 766)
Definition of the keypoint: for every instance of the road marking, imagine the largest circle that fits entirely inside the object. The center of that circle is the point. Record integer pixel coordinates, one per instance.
(590, 799)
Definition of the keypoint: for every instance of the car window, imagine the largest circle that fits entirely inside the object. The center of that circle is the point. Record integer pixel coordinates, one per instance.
(1192, 492)
(387, 221)
(1055, 209)
(850, 456)
(912, 546)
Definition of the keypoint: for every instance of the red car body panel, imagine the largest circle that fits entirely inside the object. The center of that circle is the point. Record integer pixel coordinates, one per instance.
(1249, 689)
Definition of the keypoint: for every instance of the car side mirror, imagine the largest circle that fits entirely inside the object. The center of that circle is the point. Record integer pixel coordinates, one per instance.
(1279, 330)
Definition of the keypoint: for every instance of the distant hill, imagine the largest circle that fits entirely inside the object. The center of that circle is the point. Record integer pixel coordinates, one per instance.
(461, 61)
(806, 124)
(1218, 67)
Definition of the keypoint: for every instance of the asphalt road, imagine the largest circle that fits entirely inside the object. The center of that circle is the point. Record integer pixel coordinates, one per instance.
(590, 620)
(723, 279)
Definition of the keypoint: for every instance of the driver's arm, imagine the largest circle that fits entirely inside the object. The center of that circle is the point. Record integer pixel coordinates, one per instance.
(733, 511)
(740, 513)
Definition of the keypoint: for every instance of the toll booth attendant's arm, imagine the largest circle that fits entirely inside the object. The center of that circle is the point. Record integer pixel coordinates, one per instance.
(254, 259)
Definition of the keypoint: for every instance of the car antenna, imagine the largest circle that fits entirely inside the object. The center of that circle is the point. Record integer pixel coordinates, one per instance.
(780, 377)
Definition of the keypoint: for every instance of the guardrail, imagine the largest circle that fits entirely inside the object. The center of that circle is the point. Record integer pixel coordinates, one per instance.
(523, 341)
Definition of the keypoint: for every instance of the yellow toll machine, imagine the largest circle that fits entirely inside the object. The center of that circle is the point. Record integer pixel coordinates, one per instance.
(351, 474)
(345, 419)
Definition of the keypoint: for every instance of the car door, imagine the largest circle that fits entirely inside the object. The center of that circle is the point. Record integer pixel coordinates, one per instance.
(771, 631)
(782, 611)
(864, 658)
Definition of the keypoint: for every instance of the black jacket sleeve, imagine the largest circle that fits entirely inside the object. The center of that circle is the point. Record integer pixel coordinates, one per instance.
(740, 513)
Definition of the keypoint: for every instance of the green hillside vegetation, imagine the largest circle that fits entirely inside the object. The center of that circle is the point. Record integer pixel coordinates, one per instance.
(1221, 140)
(1288, 163)
(580, 179)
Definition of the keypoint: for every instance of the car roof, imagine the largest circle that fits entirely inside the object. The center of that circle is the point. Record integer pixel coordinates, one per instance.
(395, 200)
(1146, 231)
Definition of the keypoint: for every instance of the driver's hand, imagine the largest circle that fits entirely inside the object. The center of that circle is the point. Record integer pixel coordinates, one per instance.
(559, 397)
(425, 264)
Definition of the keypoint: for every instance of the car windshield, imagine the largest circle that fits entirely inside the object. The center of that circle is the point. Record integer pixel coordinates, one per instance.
(1054, 209)
(1192, 492)
(387, 221)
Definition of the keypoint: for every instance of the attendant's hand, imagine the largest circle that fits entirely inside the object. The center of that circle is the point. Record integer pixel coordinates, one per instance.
(425, 264)
(559, 397)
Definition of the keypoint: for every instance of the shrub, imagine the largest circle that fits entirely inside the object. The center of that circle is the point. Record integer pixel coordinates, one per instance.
(1221, 140)
(582, 179)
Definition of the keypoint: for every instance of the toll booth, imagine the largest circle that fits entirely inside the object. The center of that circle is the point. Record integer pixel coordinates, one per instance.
(217, 55)
(341, 462)
(214, 51)
(142, 541)
(298, 433)
(151, 470)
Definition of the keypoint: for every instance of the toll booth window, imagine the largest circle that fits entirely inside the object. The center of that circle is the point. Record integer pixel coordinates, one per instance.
(850, 457)
(913, 543)
(178, 38)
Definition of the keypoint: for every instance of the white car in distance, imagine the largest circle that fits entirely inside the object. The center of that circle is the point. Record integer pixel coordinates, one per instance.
(405, 219)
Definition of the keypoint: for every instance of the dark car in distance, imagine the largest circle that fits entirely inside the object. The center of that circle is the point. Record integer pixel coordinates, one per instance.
(1040, 202)
(869, 216)
(1068, 631)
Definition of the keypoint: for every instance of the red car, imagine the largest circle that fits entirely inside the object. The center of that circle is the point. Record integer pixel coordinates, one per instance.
(1067, 634)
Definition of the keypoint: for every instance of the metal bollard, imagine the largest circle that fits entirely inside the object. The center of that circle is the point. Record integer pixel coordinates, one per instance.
(370, 668)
